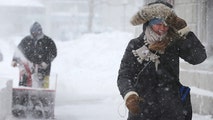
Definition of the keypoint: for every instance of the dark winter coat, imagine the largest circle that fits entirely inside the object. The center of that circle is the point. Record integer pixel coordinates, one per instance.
(160, 89)
(42, 50)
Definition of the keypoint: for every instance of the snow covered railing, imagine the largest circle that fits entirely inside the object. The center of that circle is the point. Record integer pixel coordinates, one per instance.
(199, 78)
(200, 81)
(5, 97)
(202, 101)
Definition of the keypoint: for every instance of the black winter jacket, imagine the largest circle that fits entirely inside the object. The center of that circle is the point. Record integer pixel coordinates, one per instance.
(159, 88)
(42, 50)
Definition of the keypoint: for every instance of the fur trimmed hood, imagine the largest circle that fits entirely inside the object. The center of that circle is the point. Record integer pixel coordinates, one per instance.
(149, 12)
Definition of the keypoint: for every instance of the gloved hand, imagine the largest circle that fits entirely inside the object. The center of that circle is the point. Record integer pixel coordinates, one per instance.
(176, 22)
(43, 65)
(132, 103)
(14, 64)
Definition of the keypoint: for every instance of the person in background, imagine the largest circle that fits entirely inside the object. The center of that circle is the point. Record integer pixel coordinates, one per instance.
(148, 78)
(39, 50)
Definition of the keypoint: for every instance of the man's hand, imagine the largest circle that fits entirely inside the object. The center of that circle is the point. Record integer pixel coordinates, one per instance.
(132, 103)
(14, 64)
(176, 22)
(43, 65)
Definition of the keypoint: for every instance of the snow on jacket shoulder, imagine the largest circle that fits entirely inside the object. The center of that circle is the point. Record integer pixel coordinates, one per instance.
(42, 50)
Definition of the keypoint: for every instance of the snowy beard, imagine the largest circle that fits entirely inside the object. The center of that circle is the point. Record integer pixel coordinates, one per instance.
(152, 37)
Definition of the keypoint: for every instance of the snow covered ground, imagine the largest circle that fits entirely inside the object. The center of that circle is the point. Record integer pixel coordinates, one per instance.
(86, 71)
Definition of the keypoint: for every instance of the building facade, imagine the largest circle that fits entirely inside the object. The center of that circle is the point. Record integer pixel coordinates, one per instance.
(67, 19)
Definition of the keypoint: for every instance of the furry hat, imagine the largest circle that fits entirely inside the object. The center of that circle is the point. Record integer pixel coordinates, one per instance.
(148, 12)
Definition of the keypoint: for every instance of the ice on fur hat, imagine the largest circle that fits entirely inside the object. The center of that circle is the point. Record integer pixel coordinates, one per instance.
(149, 12)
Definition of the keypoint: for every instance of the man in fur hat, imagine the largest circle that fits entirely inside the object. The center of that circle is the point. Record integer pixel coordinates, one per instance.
(39, 50)
(148, 77)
